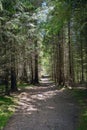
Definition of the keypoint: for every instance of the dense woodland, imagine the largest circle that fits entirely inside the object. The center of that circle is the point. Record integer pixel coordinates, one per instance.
(42, 37)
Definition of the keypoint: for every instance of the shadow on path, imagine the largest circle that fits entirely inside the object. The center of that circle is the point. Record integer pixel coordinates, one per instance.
(44, 107)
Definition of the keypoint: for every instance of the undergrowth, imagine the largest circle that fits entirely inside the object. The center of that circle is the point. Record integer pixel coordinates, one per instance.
(7, 105)
(81, 97)
(25, 85)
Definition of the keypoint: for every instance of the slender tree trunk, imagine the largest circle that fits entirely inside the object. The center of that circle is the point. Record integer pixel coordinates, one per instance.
(61, 60)
(36, 79)
(82, 67)
(66, 56)
(24, 73)
(13, 80)
(31, 70)
(7, 92)
(71, 79)
(13, 71)
(52, 67)
(6, 73)
(57, 61)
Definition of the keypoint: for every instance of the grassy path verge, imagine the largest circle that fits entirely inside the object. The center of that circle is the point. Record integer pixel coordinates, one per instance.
(7, 108)
(81, 97)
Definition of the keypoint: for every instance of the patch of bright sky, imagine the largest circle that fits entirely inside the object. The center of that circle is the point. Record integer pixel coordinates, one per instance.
(44, 4)
(42, 15)
(43, 12)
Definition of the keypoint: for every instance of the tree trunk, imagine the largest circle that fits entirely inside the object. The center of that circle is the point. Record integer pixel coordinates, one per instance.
(7, 92)
(31, 70)
(24, 73)
(36, 79)
(61, 59)
(13, 71)
(71, 78)
(13, 80)
(82, 67)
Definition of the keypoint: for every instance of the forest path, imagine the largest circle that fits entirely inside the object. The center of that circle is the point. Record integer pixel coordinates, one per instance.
(44, 108)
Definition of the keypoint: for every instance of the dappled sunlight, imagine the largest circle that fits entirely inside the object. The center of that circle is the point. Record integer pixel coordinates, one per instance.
(24, 104)
(49, 107)
(44, 106)
(46, 80)
(44, 95)
(30, 100)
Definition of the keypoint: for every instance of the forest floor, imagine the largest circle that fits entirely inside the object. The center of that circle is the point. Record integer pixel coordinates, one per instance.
(44, 107)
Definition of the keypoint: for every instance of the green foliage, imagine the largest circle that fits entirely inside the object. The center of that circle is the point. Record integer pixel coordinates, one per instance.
(24, 85)
(2, 89)
(6, 110)
(9, 6)
(60, 14)
(27, 5)
(81, 96)
(1, 8)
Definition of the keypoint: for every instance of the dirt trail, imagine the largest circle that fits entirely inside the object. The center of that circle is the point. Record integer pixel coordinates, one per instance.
(44, 108)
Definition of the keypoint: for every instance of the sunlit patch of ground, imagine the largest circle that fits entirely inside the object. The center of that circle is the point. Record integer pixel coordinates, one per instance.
(46, 80)
(27, 101)
(43, 107)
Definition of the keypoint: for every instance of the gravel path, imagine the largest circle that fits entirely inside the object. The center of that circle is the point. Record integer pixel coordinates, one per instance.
(44, 108)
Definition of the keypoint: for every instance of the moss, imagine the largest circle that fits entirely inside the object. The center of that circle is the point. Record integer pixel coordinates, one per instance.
(24, 85)
(81, 97)
(6, 110)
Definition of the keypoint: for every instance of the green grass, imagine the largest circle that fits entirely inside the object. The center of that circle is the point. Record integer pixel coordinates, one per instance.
(6, 109)
(7, 105)
(24, 85)
(2, 88)
(81, 97)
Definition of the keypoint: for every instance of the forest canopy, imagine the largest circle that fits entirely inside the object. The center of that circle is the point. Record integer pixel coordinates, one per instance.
(42, 37)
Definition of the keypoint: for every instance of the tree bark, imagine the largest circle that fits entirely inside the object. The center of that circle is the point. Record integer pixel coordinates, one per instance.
(13, 71)
(61, 59)
(71, 77)
(13, 80)
(7, 92)
(82, 67)
(36, 79)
